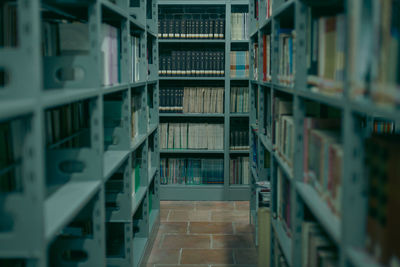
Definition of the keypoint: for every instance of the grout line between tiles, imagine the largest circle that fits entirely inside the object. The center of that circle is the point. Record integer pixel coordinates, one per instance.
(212, 241)
(188, 228)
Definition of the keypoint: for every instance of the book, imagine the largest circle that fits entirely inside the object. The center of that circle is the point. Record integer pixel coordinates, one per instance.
(239, 64)
(239, 25)
(286, 69)
(239, 171)
(110, 54)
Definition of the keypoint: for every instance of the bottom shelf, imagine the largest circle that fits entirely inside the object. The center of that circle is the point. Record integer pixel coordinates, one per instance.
(153, 218)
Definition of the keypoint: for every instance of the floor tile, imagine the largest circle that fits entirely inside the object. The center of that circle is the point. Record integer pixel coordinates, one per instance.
(173, 227)
(207, 256)
(210, 228)
(245, 256)
(178, 205)
(189, 216)
(215, 205)
(164, 256)
(172, 241)
(243, 227)
(164, 215)
(242, 205)
(181, 265)
(232, 241)
(230, 216)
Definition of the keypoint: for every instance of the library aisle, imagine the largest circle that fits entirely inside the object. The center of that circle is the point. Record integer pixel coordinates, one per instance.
(203, 233)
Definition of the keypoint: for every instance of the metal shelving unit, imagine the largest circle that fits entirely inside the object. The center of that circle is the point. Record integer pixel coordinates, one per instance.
(208, 192)
(46, 219)
(347, 231)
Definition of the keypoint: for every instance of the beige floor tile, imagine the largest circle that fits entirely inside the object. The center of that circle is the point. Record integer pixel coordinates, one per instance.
(207, 256)
(178, 205)
(164, 256)
(174, 241)
(215, 205)
(173, 227)
(164, 215)
(232, 241)
(210, 228)
(181, 265)
(242, 205)
(189, 216)
(230, 216)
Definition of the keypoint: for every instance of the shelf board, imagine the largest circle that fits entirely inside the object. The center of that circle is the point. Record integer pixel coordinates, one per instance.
(238, 151)
(283, 7)
(151, 128)
(190, 151)
(189, 41)
(191, 2)
(373, 110)
(239, 115)
(334, 101)
(284, 240)
(135, 21)
(138, 141)
(63, 205)
(58, 97)
(266, 142)
(138, 197)
(137, 84)
(239, 78)
(152, 81)
(266, 23)
(239, 41)
(192, 186)
(360, 258)
(190, 78)
(152, 174)
(152, 33)
(115, 88)
(321, 210)
(112, 160)
(286, 168)
(283, 88)
(265, 84)
(192, 115)
(114, 9)
(9, 109)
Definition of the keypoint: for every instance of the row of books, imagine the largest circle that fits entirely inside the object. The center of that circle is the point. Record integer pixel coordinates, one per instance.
(267, 57)
(191, 171)
(11, 134)
(282, 127)
(68, 126)
(239, 26)
(191, 28)
(136, 51)
(286, 69)
(192, 100)
(326, 53)
(239, 64)
(239, 100)
(239, 170)
(192, 63)
(317, 249)
(255, 55)
(239, 138)
(192, 136)
(382, 171)
(8, 24)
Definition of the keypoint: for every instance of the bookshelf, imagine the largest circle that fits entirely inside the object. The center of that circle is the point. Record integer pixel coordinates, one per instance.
(214, 36)
(307, 86)
(72, 144)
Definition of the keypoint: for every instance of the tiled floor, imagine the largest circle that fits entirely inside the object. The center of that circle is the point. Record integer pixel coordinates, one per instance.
(204, 234)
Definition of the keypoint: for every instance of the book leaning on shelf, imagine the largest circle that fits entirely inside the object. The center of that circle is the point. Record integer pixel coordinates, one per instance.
(205, 136)
(135, 42)
(192, 100)
(326, 53)
(136, 105)
(267, 57)
(255, 61)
